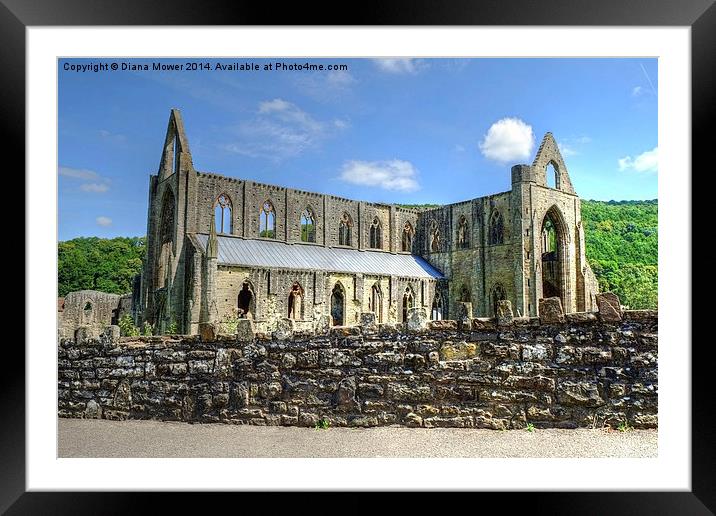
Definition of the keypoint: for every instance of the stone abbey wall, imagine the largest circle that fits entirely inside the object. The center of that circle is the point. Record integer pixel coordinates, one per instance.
(566, 371)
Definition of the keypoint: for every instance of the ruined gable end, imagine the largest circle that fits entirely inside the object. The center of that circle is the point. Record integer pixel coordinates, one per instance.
(548, 154)
(176, 155)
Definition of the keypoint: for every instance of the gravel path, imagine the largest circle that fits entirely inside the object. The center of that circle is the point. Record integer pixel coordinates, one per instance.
(102, 438)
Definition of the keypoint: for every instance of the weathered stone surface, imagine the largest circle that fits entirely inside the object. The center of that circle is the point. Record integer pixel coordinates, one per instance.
(442, 325)
(483, 323)
(93, 410)
(245, 330)
(580, 318)
(458, 351)
(564, 376)
(504, 313)
(609, 307)
(368, 321)
(208, 332)
(284, 329)
(550, 311)
(417, 318)
(464, 314)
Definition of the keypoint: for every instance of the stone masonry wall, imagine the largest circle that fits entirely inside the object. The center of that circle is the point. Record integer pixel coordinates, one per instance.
(566, 371)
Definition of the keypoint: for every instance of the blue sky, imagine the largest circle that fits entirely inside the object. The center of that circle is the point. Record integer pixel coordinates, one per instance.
(391, 130)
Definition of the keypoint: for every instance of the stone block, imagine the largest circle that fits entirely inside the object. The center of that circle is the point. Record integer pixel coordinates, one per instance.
(417, 318)
(208, 332)
(368, 321)
(609, 307)
(464, 313)
(284, 329)
(323, 324)
(504, 313)
(82, 335)
(245, 331)
(550, 311)
(443, 325)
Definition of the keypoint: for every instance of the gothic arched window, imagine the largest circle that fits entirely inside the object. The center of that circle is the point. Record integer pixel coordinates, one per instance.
(376, 235)
(434, 238)
(222, 214)
(463, 237)
(295, 298)
(344, 230)
(308, 226)
(267, 221)
(408, 302)
(407, 238)
(498, 294)
(376, 302)
(436, 313)
(496, 228)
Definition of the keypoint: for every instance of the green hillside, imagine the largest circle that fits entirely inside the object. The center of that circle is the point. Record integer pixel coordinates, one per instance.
(621, 245)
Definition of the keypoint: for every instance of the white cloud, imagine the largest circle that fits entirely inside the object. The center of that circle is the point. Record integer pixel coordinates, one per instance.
(104, 221)
(392, 174)
(333, 86)
(400, 65)
(77, 173)
(94, 187)
(341, 124)
(647, 161)
(98, 183)
(112, 137)
(636, 91)
(566, 149)
(459, 148)
(508, 139)
(281, 129)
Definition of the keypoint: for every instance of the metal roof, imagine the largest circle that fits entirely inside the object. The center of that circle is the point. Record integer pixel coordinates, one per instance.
(282, 255)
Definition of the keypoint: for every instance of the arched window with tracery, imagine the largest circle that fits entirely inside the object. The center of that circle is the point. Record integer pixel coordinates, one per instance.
(376, 234)
(496, 228)
(344, 230)
(166, 240)
(267, 221)
(463, 236)
(222, 214)
(434, 238)
(308, 226)
(407, 243)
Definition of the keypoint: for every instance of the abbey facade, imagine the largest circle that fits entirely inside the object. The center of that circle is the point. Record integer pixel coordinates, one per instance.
(220, 247)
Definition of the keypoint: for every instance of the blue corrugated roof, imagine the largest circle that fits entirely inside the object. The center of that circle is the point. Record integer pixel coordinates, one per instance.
(282, 255)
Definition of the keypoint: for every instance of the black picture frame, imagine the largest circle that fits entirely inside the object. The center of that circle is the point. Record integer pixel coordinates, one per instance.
(699, 15)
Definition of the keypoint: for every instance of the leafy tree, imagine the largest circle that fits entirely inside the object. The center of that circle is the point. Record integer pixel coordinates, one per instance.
(107, 265)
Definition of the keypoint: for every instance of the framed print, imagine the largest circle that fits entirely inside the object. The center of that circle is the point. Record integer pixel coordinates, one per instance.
(70, 68)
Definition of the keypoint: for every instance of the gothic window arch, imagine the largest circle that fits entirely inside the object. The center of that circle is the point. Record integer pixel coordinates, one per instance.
(437, 310)
(267, 220)
(345, 227)
(308, 225)
(376, 234)
(166, 240)
(295, 302)
(338, 299)
(497, 229)
(552, 175)
(375, 304)
(246, 300)
(222, 214)
(407, 242)
(434, 238)
(498, 294)
(463, 235)
(408, 302)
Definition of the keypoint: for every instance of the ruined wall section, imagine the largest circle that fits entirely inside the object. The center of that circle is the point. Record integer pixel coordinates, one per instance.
(578, 370)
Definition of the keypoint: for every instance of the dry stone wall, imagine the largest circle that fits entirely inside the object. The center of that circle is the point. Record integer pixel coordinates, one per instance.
(586, 371)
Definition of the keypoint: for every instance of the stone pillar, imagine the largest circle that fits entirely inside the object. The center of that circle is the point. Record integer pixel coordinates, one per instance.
(550, 311)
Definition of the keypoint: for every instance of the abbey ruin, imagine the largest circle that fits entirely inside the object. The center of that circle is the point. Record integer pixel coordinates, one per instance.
(221, 247)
